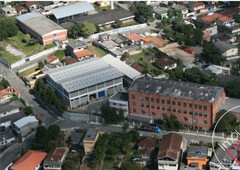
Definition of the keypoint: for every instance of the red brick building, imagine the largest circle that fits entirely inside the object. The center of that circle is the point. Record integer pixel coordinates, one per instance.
(194, 105)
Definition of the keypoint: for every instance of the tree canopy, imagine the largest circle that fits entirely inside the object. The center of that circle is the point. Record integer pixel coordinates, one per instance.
(233, 88)
(4, 83)
(8, 28)
(227, 123)
(172, 123)
(87, 28)
(111, 116)
(142, 11)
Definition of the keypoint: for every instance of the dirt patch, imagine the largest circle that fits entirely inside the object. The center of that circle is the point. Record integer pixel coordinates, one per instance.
(158, 42)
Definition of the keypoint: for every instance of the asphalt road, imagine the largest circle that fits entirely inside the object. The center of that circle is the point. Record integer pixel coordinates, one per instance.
(30, 99)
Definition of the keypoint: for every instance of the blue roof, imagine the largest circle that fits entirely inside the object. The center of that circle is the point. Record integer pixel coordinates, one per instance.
(27, 16)
(73, 9)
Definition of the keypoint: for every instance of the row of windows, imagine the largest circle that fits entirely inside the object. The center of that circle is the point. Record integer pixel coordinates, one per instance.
(163, 101)
(195, 120)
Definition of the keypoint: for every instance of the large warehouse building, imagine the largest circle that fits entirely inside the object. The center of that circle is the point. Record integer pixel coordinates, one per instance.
(194, 105)
(41, 28)
(70, 12)
(86, 81)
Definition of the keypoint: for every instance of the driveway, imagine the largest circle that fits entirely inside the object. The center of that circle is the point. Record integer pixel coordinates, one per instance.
(14, 51)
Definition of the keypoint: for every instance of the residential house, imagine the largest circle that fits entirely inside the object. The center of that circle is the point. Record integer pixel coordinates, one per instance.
(102, 3)
(119, 101)
(182, 8)
(146, 147)
(218, 70)
(21, 10)
(8, 11)
(32, 6)
(225, 22)
(166, 63)
(150, 58)
(90, 140)
(226, 48)
(29, 161)
(7, 94)
(134, 37)
(47, 5)
(170, 150)
(212, 30)
(121, 40)
(234, 29)
(70, 60)
(76, 138)
(209, 20)
(41, 28)
(105, 37)
(197, 7)
(25, 125)
(138, 67)
(147, 43)
(52, 59)
(189, 50)
(55, 158)
(206, 35)
(6, 137)
(198, 156)
(160, 12)
(78, 49)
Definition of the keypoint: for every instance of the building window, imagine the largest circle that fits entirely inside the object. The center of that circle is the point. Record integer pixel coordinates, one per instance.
(205, 122)
(204, 107)
(184, 104)
(157, 100)
(163, 101)
(173, 102)
(152, 106)
(143, 112)
(54, 35)
(147, 98)
(200, 107)
(152, 99)
(134, 110)
(133, 96)
(157, 107)
(195, 106)
(168, 101)
(153, 113)
(205, 114)
(195, 113)
(134, 103)
(195, 121)
(179, 111)
(185, 111)
(147, 105)
(141, 97)
(186, 119)
(142, 104)
(169, 109)
(190, 112)
(174, 110)
(190, 105)
(200, 114)
(163, 108)
(179, 103)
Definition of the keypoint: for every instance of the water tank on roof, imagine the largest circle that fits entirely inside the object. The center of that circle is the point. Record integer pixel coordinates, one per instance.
(200, 152)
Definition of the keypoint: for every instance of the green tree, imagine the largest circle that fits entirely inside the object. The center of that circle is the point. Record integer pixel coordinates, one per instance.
(172, 123)
(8, 28)
(170, 13)
(118, 23)
(125, 56)
(42, 139)
(229, 120)
(125, 127)
(97, 28)
(28, 110)
(40, 65)
(53, 132)
(74, 31)
(143, 12)
(233, 88)
(60, 54)
(4, 83)
(69, 164)
(87, 28)
(39, 84)
(212, 54)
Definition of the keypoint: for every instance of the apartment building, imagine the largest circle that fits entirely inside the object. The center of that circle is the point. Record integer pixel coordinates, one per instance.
(90, 140)
(194, 105)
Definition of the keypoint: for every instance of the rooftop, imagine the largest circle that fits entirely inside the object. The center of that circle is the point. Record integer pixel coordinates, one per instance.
(25, 120)
(39, 23)
(197, 4)
(197, 152)
(76, 44)
(160, 10)
(102, 17)
(223, 156)
(91, 134)
(178, 7)
(73, 9)
(224, 46)
(211, 18)
(30, 3)
(76, 137)
(122, 67)
(83, 74)
(148, 142)
(134, 37)
(7, 8)
(10, 106)
(56, 154)
(177, 89)
(71, 60)
(29, 160)
(138, 67)
(120, 96)
(46, 3)
(166, 61)
(21, 8)
(225, 19)
(82, 53)
(139, 118)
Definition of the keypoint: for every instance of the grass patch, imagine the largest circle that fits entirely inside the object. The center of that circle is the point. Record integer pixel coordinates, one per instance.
(28, 71)
(23, 43)
(129, 24)
(9, 57)
(98, 51)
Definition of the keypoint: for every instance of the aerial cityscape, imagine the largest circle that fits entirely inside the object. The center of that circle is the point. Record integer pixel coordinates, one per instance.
(119, 85)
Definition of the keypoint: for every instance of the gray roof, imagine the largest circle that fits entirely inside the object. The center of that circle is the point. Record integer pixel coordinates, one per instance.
(39, 23)
(122, 67)
(76, 138)
(12, 117)
(160, 10)
(223, 156)
(179, 7)
(73, 9)
(91, 134)
(102, 17)
(120, 96)
(176, 89)
(197, 151)
(6, 135)
(7, 8)
(223, 45)
(119, 38)
(10, 106)
(25, 120)
(76, 44)
(83, 74)
(231, 103)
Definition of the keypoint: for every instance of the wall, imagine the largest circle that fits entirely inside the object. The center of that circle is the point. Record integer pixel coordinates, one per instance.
(46, 52)
(77, 117)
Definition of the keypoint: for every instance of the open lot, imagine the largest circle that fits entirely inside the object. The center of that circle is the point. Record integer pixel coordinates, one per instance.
(28, 71)
(9, 57)
(158, 42)
(95, 50)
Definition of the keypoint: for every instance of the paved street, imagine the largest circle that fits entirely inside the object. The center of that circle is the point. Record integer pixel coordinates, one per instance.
(18, 84)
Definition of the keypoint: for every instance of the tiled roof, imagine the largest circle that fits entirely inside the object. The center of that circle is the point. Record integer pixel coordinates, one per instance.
(51, 58)
(145, 152)
(148, 142)
(71, 60)
(138, 67)
(147, 40)
(170, 146)
(3, 93)
(165, 61)
(196, 4)
(211, 18)
(30, 3)
(134, 37)
(225, 19)
(29, 160)
(82, 53)
(21, 8)
(56, 155)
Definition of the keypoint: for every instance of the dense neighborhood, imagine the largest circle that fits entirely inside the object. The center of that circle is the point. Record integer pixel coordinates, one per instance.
(119, 85)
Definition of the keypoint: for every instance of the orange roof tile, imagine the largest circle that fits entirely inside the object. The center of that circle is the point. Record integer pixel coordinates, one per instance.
(3, 93)
(189, 50)
(196, 4)
(29, 160)
(134, 37)
(211, 18)
(225, 19)
(82, 53)
(71, 60)
(30, 3)
(21, 8)
(147, 40)
(56, 155)
(51, 58)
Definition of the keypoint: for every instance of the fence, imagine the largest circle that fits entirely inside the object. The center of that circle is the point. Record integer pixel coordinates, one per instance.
(82, 117)
(25, 68)
(119, 30)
